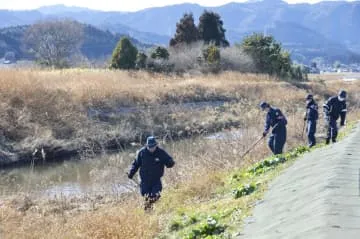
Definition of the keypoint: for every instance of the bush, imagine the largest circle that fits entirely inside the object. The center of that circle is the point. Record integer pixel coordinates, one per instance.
(244, 190)
(299, 73)
(190, 58)
(234, 59)
(269, 57)
(159, 65)
(160, 53)
(186, 58)
(124, 55)
(211, 55)
(205, 229)
(141, 59)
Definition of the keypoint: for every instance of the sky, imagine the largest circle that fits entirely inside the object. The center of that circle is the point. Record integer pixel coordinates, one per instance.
(114, 5)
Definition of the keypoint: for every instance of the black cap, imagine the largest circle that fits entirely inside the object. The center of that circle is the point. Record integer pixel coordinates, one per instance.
(309, 97)
(342, 93)
(264, 105)
(151, 142)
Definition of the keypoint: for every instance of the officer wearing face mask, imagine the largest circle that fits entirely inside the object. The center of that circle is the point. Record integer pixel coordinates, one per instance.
(334, 108)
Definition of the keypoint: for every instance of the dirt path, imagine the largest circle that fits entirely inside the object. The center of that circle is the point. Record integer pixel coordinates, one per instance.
(317, 197)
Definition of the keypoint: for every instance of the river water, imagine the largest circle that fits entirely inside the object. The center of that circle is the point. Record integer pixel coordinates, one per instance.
(101, 175)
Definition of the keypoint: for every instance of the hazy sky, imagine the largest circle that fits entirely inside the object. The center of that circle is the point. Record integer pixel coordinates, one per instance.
(114, 5)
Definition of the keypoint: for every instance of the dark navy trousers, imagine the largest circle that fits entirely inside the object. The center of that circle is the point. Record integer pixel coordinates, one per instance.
(151, 190)
(311, 130)
(332, 131)
(277, 140)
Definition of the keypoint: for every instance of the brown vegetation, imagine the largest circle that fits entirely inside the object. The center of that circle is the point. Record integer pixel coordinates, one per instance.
(41, 100)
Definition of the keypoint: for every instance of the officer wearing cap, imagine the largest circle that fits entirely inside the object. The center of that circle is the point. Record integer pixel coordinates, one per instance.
(276, 120)
(311, 117)
(151, 160)
(334, 108)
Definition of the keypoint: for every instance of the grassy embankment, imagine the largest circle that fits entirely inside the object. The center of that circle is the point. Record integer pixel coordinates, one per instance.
(205, 192)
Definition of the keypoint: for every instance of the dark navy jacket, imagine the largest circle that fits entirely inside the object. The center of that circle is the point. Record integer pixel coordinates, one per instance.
(312, 111)
(275, 119)
(151, 165)
(335, 108)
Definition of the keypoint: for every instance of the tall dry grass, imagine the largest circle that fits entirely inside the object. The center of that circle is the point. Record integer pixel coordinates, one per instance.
(129, 88)
(199, 160)
(50, 108)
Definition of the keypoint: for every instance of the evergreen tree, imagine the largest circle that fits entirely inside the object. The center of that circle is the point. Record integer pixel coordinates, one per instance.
(186, 31)
(270, 58)
(124, 55)
(211, 29)
(267, 54)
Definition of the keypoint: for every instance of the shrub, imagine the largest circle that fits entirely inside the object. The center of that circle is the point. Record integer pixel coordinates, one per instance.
(269, 57)
(141, 59)
(244, 190)
(160, 53)
(212, 57)
(208, 228)
(124, 55)
(234, 59)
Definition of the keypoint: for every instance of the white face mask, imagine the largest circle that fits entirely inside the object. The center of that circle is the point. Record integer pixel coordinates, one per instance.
(341, 99)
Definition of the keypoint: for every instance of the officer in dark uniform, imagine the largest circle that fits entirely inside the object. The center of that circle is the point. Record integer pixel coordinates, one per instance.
(334, 108)
(277, 121)
(311, 117)
(151, 160)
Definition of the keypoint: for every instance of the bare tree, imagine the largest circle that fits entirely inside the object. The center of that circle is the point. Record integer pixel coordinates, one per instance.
(53, 42)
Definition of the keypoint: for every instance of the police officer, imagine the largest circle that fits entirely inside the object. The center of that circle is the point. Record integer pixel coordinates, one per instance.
(276, 120)
(151, 160)
(311, 117)
(334, 108)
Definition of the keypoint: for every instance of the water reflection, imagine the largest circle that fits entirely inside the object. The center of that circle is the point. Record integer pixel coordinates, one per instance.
(101, 175)
(74, 177)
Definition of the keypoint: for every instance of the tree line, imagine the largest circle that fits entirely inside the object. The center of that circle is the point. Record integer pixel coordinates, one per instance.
(54, 42)
(267, 54)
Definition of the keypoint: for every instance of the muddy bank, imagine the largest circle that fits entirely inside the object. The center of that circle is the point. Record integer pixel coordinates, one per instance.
(55, 153)
(107, 114)
(60, 150)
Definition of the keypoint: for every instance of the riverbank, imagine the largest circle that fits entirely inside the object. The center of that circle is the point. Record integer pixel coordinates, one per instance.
(211, 202)
(205, 175)
(56, 115)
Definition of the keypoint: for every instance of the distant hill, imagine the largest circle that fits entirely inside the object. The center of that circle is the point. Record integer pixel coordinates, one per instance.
(97, 43)
(300, 27)
(60, 9)
(145, 37)
(339, 21)
(16, 18)
(305, 43)
(102, 20)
